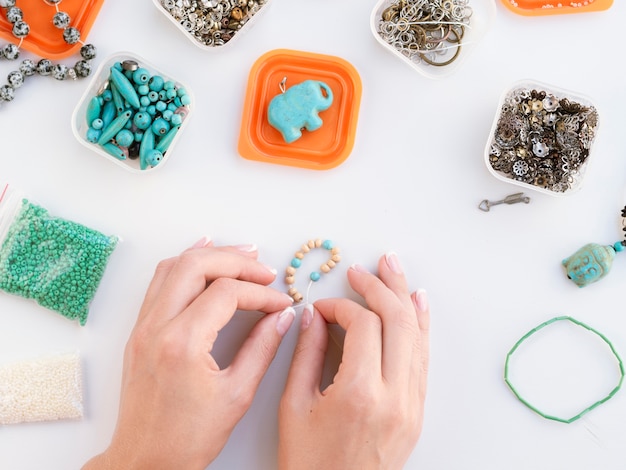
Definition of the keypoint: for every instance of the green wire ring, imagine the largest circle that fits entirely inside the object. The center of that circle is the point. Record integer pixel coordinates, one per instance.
(586, 410)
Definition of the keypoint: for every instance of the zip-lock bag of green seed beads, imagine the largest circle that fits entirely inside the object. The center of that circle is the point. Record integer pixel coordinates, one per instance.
(56, 262)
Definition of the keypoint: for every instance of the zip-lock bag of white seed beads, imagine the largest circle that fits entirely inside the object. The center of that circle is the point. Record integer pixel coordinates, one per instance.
(54, 261)
(46, 388)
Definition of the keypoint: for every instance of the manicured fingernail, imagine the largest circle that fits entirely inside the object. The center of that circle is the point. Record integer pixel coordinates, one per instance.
(421, 300)
(393, 262)
(307, 316)
(247, 248)
(359, 268)
(285, 319)
(270, 269)
(204, 241)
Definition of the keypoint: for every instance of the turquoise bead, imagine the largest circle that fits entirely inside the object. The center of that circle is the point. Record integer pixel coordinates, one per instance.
(94, 109)
(296, 263)
(113, 128)
(108, 113)
(142, 120)
(185, 100)
(146, 146)
(117, 99)
(160, 126)
(107, 95)
(618, 247)
(141, 76)
(176, 119)
(169, 85)
(97, 123)
(589, 264)
(166, 140)
(154, 96)
(144, 101)
(156, 83)
(151, 110)
(315, 276)
(160, 106)
(124, 138)
(327, 244)
(154, 157)
(143, 90)
(115, 151)
(93, 135)
(167, 114)
(125, 87)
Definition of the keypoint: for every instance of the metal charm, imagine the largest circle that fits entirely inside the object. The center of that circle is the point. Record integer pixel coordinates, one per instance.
(485, 205)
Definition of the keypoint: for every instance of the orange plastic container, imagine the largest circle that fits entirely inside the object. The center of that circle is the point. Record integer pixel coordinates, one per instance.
(322, 149)
(44, 38)
(555, 7)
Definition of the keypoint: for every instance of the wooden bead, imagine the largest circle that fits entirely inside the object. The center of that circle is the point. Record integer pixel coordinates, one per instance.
(292, 291)
(291, 270)
(290, 280)
(334, 251)
(336, 258)
(299, 255)
(331, 264)
(311, 244)
(298, 297)
(325, 268)
(305, 248)
(318, 243)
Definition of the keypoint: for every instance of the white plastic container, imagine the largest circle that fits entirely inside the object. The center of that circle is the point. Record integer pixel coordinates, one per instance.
(390, 36)
(542, 138)
(187, 27)
(99, 82)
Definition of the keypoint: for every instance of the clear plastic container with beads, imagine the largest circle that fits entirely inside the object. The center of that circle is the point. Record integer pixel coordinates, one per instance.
(213, 24)
(56, 262)
(434, 37)
(132, 120)
(542, 138)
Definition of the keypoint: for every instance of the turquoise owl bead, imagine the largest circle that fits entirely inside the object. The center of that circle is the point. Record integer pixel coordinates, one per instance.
(589, 264)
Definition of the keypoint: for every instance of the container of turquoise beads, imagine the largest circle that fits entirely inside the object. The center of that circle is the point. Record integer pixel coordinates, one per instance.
(53, 261)
(132, 113)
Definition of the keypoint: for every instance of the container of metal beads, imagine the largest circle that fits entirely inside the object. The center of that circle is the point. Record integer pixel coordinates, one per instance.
(54, 261)
(434, 37)
(542, 137)
(132, 113)
(212, 24)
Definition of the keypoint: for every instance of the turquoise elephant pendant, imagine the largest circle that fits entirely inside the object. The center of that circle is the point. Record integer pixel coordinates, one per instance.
(297, 108)
(591, 263)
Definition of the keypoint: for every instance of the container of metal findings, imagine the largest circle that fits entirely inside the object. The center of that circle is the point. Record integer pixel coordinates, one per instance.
(434, 37)
(132, 113)
(542, 137)
(212, 24)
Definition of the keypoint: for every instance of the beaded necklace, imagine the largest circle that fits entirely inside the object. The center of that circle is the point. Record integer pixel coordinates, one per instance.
(44, 67)
(593, 261)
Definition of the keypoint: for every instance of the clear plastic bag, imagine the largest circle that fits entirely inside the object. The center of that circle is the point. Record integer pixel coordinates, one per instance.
(42, 389)
(54, 261)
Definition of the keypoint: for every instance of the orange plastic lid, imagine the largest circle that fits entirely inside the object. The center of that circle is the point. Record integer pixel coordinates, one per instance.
(556, 7)
(321, 149)
(44, 38)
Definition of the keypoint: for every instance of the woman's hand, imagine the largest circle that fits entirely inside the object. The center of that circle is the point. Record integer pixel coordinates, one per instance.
(371, 415)
(177, 407)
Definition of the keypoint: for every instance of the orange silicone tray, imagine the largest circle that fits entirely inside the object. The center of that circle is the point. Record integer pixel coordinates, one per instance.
(322, 149)
(555, 7)
(44, 38)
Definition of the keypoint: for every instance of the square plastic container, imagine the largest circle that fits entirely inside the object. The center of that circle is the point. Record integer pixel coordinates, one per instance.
(166, 128)
(44, 39)
(548, 7)
(321, 149)
(210, 26)
(542, 138)
(423, 34)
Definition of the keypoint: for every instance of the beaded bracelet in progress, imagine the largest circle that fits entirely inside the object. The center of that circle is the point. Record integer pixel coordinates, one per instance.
(589, 408)
(314, 276)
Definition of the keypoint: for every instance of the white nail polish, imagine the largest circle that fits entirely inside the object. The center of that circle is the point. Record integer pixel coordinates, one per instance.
(284, 321)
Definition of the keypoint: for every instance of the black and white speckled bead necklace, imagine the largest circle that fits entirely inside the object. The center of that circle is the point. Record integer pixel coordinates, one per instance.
(28, 67)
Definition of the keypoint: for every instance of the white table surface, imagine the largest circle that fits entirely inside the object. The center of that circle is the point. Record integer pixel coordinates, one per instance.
(411, 185)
